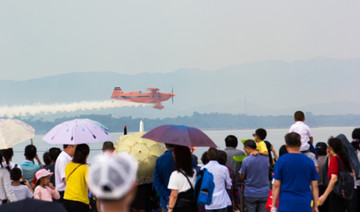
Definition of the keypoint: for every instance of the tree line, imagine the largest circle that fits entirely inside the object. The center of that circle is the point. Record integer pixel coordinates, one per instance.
(204, 121)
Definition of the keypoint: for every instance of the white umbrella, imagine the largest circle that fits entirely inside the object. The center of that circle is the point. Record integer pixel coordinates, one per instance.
(77, 131)
(13, 131)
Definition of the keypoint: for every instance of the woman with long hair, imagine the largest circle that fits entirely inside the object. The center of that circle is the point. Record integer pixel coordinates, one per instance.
(76, 197)
(7, 158)
(6, 193)
(182, 181)
(335, 152)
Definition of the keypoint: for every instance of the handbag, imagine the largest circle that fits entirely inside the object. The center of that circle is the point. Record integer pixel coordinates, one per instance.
(269, 201)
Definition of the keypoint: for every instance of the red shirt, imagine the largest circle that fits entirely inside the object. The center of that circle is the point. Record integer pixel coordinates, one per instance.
(333, 166)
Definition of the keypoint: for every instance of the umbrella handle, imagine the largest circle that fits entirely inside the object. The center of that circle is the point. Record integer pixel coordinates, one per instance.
(31, 140)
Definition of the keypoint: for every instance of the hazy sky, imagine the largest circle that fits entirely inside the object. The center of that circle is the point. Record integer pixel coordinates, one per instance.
(42, 38)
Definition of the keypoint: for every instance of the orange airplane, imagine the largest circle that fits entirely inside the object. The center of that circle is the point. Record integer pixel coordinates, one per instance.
(153, 97)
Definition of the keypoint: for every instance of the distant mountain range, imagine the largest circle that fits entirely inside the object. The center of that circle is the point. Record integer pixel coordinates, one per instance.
(320, 86)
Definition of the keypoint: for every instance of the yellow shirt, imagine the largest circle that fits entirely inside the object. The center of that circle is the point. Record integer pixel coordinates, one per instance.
(261, 146)
(76, 188)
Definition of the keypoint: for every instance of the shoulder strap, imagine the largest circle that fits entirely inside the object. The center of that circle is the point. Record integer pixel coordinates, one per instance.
(341, 166)
(186, 178)
(73, 171)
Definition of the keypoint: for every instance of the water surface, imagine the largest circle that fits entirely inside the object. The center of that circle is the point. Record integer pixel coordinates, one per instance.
(275, 136)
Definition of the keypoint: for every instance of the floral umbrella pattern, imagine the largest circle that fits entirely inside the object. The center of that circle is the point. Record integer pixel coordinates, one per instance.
(13, 131)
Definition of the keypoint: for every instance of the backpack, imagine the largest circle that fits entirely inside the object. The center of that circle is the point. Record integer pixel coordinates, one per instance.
(344, 187)
(204, 187)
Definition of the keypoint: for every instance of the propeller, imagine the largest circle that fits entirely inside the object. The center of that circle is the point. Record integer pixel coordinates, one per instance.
(172, 91)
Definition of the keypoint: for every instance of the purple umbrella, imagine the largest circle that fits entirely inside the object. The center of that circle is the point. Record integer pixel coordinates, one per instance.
(179, 135)
(77, 131)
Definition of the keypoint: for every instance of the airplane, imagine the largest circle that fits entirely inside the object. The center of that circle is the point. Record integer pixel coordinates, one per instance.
(152, 97)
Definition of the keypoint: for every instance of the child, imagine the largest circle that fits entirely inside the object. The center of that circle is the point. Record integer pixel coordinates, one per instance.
(304, 131)
(21, 191)
(259, 136)
(45, 190)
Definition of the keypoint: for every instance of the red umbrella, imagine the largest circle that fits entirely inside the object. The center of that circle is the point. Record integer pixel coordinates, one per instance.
(179, 135)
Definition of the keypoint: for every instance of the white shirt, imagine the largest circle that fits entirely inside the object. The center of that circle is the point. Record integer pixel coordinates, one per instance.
(312, 157)
(5, 186)
(179, 182)
(22, 192)
(304, 131)
(60, 164)
(221, 176)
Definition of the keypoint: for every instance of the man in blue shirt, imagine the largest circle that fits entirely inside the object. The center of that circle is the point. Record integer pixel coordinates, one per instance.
(163, 168)
(294, 173)
(255, 170)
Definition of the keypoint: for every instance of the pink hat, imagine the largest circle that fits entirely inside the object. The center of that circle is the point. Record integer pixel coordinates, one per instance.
(42, 173)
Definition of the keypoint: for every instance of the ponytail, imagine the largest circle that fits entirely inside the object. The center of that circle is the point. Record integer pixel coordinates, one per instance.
(2, 159)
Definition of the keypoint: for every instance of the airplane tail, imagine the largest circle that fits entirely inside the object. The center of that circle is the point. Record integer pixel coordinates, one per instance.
(117, 91)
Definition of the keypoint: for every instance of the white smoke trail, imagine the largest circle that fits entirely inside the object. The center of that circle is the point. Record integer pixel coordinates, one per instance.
(23, 110)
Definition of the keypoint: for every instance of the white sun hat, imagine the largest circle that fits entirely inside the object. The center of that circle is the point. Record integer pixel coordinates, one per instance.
(111, 176)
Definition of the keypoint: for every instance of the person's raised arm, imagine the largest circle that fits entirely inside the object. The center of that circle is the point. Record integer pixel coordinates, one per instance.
(38, 160)
(274, 152)
(266, 153)
(54, 193)
(29, 186)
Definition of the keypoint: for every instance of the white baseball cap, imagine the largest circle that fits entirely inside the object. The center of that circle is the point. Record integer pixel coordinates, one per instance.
(111, 176)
